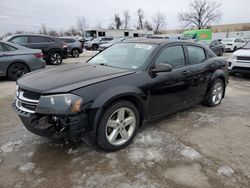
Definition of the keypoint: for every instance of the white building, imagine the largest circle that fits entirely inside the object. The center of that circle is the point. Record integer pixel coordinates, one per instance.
(117, 33)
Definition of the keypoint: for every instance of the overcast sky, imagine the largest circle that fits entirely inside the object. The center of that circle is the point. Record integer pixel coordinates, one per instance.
(28, 15)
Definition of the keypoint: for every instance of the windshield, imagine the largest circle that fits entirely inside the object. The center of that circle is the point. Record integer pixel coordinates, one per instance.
(227, 40)
(124, 55)
(96, 39)
(247, 46)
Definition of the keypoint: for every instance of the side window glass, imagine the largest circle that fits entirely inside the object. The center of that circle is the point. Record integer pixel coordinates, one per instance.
(8, 47)
(196, 55)
(20, 40)
(37, 39)
(2, 49)
(173, 55)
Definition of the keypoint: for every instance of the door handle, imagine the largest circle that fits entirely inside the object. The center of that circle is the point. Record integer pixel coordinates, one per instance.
(185, 72)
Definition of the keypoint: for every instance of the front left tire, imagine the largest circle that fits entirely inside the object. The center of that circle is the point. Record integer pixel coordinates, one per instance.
(118, 126)
(215, 94)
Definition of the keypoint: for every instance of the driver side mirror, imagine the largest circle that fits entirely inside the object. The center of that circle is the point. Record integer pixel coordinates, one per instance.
(161, 67)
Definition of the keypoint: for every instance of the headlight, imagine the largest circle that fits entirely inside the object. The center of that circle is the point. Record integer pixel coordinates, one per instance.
(59, 104)
(233, 57)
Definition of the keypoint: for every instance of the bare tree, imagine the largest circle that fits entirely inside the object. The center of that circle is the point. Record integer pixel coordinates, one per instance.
(118, 21)
(201, 14)
(98, 26)
(53, 33)
(126, 20)
(81, 25)
(43, 30)
(140, 14)
(148, 25)
(159, 21)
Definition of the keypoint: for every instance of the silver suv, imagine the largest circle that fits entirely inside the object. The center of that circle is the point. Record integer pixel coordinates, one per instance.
(74, 46)
(94, 44)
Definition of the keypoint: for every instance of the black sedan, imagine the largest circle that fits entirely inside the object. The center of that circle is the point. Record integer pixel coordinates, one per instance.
(105, 100)
(16, 60)
(216, 46)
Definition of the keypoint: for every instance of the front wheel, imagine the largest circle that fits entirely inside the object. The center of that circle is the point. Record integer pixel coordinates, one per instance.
(118, 126)
(215, 93)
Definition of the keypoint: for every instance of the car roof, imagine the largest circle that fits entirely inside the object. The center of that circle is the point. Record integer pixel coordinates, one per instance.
(158, 41)
(40, 35)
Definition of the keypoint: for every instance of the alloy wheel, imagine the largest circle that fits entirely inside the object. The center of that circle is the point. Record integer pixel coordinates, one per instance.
(120, 126)
(75, 53)
(55, 59)
(217, 93)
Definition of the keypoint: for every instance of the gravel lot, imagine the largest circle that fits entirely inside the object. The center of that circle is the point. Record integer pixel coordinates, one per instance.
(199, 147)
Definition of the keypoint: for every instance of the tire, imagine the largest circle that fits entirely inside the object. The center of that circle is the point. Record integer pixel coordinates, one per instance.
(94, 47)
(235, 48)
(113, 133)
(75, 53)
(17, 70)
(215, 94)
(55, 58)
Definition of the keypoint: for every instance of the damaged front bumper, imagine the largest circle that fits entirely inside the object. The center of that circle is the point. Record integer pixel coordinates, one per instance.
(71, 127)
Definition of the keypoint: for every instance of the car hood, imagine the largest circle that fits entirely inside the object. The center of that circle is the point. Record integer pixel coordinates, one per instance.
(106, 45)
(68, 77)
(242, 52)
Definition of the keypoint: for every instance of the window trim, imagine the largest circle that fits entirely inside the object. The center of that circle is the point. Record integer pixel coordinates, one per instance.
(165, 47)
(188, 57)
(11, 40)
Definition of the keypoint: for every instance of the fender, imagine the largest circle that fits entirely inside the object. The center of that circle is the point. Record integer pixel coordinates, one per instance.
(118, 92)
(105, 98)
(219, 73)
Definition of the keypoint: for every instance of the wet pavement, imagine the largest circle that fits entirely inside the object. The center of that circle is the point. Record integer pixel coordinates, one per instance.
(199, 147)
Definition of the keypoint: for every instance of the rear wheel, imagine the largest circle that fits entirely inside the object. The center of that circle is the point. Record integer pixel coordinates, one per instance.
(75, 53)
(118, 126)
(55, 58)
(215, 93)
(17, 70)
(221, 52)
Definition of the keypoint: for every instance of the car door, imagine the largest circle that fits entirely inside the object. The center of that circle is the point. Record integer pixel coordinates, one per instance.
(168, 91)
(201, 70)
(214, 47)
(21, 40)
(38, 42)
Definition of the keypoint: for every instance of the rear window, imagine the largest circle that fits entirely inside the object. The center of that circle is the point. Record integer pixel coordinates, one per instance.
(5, 47)
(68, 40)
(196, 54)
(37, 39)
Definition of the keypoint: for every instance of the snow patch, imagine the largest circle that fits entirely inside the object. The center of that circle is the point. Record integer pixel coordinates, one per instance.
(10, 146)
(190, 153)
(225, 170)
(204, 118)
(28, 167)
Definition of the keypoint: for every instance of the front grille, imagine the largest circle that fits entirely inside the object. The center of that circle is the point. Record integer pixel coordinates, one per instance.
(243, 58)
(27, 101)
(241, 68)
(30, 94)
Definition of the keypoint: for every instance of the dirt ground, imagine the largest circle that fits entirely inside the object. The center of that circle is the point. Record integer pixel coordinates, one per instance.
(199, 147)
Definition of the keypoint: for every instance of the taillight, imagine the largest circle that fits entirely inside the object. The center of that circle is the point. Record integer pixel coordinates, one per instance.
(38, 55)
(64, 45)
